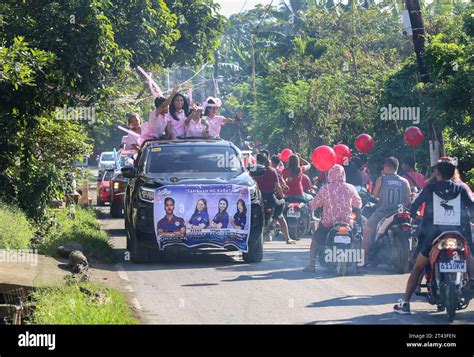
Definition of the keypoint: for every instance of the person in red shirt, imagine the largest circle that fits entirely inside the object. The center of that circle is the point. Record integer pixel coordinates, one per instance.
(415, 179)
(269, 186)
(293, 176)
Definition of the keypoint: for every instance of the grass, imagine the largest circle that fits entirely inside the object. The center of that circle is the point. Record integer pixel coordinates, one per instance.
(83, 229)
(80, 303)
(15, 230)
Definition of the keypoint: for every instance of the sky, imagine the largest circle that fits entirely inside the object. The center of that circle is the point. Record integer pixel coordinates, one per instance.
(229, 7)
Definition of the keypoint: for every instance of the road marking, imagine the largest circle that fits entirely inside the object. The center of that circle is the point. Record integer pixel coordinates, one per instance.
(121, 272)
(123, 275)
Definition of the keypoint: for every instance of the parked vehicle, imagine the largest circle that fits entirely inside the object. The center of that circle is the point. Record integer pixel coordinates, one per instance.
(118, 183)
(103, 189)
(446, 276)
(106, 161)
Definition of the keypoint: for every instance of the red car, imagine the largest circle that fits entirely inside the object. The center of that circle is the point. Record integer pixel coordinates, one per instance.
(103, 188)
(118, 183)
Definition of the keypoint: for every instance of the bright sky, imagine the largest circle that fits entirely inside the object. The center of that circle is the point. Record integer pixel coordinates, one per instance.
(229, 7)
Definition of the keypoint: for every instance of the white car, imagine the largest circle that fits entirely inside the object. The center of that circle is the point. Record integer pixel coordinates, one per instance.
(106, 161)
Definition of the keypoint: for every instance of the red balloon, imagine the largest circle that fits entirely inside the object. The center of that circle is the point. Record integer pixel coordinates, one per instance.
(364, 143)
(413, 136)
(343, 154)
(285, 154)
(323, 158)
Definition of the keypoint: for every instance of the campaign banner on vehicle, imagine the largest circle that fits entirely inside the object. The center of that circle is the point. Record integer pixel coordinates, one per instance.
(194, 215)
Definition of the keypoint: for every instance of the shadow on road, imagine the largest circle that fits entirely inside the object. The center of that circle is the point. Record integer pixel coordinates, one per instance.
(361, 300)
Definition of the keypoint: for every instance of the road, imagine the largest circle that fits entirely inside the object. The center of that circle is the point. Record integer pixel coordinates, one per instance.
(210, 288)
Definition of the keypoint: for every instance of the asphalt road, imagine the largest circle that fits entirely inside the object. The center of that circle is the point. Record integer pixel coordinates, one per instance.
(219, 288)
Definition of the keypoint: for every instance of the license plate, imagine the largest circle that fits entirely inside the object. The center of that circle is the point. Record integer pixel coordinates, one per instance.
(293, 213)
(342, 239)
(452, 266)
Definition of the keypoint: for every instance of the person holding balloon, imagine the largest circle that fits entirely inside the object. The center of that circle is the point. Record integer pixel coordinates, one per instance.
(337, 198)
(293, 176)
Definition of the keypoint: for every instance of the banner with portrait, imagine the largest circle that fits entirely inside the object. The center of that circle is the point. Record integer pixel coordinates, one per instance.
(202, 215)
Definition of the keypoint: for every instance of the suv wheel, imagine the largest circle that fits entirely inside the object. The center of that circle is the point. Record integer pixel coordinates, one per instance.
(138, 253)
(255, 253)
(116, 210)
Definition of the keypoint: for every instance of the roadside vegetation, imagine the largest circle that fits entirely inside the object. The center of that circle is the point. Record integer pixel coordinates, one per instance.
(82, 228)
(15, 229)
(80, 303)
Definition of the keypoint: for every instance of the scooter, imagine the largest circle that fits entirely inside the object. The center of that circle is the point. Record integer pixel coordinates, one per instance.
(446, 276)
(297, 216)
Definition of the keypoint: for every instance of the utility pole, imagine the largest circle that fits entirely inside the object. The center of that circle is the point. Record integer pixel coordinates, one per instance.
(254, 84)
(215, 75)
(418, 29)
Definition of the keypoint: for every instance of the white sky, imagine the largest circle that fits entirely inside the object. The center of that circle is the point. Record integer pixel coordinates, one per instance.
(229, 7)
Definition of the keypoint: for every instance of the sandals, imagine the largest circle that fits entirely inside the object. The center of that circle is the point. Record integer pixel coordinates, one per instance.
(290, 241)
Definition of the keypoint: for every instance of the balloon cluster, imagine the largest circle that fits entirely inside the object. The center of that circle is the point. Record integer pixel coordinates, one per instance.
(324, 157)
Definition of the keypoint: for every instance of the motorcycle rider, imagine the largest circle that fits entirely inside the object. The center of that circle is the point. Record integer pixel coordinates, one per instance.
(392, 191)
(415, 179)
(337, 198)
(269, 185)
(441, 189)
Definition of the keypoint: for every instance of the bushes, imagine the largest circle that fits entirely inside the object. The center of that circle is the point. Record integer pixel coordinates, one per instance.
(83, 229)
(15, 230)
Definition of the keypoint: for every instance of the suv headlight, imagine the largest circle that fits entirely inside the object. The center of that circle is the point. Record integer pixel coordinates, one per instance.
(147, 194)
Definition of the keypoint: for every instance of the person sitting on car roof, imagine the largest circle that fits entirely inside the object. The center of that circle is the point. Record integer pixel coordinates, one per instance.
(216, 121)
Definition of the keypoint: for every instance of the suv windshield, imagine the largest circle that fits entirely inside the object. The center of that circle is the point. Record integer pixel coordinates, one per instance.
(107, 157)
(193, 158)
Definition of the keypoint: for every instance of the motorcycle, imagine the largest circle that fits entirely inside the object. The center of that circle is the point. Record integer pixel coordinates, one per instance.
(341, 249)
(446, 276)
(393, 238)
(270, 229)
(297, 216)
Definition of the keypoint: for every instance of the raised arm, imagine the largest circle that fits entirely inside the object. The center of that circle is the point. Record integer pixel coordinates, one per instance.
(238, 118)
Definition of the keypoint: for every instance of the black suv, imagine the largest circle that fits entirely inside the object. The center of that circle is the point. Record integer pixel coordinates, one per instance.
(183, 162)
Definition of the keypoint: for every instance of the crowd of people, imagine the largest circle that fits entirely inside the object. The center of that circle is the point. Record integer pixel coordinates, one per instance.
(337, 195)
(336, 191)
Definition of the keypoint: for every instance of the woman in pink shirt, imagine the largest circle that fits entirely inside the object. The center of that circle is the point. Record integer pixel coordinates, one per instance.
(157, 125)
(337, 199)
(195, 126)
(216, 121)
(179, 111)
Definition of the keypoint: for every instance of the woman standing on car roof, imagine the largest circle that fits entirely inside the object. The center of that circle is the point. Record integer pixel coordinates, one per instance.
(200, 217)
(195, 126)
(157, 125)
(216, 121)
(178, 113)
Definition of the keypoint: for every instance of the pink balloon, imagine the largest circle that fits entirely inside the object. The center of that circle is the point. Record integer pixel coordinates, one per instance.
(343, 154)
(364, 143)
(413, 136)
(285, 154)
(323, 158)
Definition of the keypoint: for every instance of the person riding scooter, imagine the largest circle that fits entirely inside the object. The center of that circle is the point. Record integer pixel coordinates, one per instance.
(337, 198)
(440, 195)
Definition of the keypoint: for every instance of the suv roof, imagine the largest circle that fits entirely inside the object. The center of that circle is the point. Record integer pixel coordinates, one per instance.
(216, 142)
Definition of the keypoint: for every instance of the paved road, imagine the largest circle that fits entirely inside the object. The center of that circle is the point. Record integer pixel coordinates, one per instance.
(220, 288)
